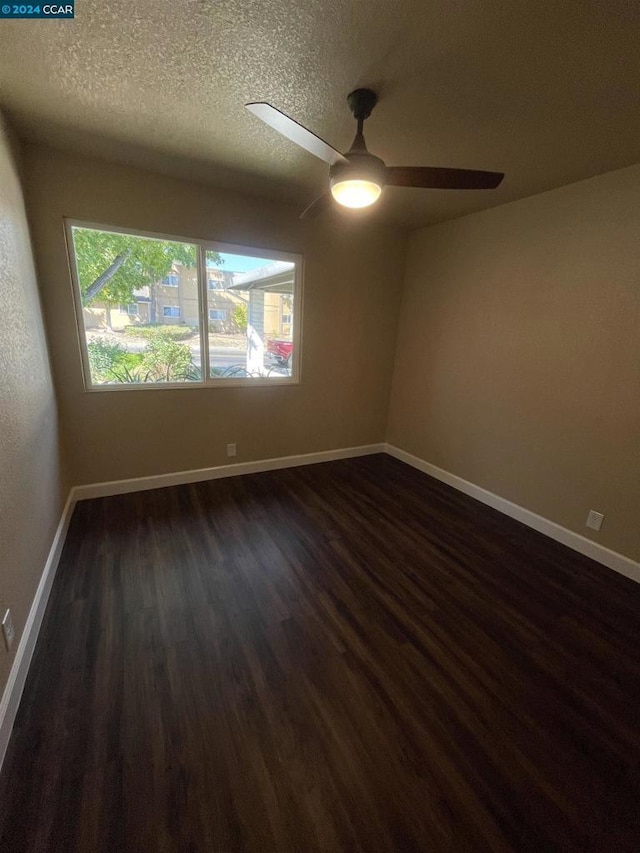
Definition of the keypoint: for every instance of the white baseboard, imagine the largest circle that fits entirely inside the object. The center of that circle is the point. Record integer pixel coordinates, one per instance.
(179, 478)
(18, 675)
(612, 559)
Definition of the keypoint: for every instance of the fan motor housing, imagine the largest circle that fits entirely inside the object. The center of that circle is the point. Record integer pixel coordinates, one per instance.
(360, 167)
(361, 103)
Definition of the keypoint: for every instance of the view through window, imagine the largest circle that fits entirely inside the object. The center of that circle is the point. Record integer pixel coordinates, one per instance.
(159, 311)
(250, 304)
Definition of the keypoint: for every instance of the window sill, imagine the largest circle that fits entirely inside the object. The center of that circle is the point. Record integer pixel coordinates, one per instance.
(183, 386)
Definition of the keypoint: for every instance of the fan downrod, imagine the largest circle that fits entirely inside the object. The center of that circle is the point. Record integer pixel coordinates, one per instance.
(361, 103)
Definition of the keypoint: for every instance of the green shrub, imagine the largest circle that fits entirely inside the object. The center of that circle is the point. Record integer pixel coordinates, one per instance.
(138, 331)
(174, 333)
(110, 362)
(103, 356)
(167, 361)
(131, 360)
(241, 317)
(130, 376)
(128, 369)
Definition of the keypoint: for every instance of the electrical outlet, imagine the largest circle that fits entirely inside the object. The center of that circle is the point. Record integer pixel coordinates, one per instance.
(231, 450)
(8, 630)
(594, 519)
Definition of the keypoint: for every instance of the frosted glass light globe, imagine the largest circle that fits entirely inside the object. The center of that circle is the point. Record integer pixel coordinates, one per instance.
(359, 193)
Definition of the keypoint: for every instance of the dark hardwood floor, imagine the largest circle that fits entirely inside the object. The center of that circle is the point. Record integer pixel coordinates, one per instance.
(348, 656)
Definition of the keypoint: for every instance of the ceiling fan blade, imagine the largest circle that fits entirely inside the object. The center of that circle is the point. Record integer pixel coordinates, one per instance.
(295, 132)
(318, 206)
(433, 177)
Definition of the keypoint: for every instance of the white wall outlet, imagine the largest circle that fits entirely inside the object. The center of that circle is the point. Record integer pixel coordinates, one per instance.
(594, 519)
(231, 450)
(8, 630)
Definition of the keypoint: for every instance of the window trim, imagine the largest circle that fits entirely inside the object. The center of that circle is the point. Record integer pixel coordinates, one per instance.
(171, 308)
(202, 285)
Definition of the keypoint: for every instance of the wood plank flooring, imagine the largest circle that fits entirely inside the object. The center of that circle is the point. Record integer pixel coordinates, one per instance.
(343, 657)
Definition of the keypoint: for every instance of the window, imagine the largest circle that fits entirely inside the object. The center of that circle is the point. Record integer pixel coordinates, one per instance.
(227, 329)
(286, 319)
(258, 287)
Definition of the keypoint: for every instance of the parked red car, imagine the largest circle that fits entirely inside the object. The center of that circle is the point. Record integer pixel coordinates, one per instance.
(282, 351)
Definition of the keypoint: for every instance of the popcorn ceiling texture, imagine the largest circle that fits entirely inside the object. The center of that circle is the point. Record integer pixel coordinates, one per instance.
(32, 487)
(546, 92)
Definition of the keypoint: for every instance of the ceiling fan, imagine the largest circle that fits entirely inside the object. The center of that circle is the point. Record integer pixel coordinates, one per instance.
(356, 178)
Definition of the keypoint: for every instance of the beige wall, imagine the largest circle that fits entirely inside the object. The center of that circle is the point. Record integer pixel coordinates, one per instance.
(517, 368)
(352, 285)
(518, 365)
(32, 487)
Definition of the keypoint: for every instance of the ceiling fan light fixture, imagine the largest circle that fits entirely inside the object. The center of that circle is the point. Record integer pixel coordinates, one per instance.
(359, 180)
(355, 193)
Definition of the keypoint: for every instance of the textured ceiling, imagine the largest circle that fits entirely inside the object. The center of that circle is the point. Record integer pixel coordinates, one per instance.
(544, 90)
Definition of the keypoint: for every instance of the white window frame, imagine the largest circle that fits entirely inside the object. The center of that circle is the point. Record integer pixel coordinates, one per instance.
(218, 319)
(164, 283)
(171, 309)
(202, 246)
